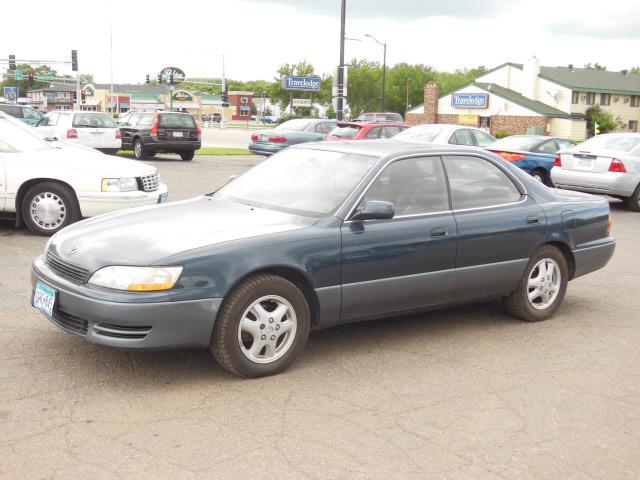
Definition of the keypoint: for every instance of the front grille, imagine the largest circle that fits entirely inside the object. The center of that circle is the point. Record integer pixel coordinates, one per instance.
(70, 322)
(66, 269)
(119, 331)
(149, 183)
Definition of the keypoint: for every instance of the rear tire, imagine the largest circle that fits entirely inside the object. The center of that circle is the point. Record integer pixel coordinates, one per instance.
(138, 149)
(49, 207)
(188, 156)
(267, 312)
(542, 287)
(541, 176)
(633, 202)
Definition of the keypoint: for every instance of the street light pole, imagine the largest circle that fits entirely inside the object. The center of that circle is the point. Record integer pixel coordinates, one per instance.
(384, 66)
(340, 109)
(407, 105)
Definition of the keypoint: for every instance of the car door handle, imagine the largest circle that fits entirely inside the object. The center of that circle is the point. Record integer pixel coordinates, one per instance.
(534, 219)
(439, 232)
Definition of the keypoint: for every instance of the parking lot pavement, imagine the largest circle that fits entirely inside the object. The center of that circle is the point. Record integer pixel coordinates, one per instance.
(234, 137)
(466, 393)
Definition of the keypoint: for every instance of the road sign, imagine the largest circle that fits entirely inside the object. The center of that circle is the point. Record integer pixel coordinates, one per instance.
(301, 102)
(45, 78)
(18, 75)
(11, 94)
(308, 84)
(172, 75)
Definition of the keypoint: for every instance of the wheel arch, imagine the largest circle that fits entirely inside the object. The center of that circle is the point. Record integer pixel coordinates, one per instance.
(26, 186)
(568, 255)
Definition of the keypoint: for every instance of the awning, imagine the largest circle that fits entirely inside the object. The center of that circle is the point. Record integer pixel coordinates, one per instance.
(111, 105)
(124, 105)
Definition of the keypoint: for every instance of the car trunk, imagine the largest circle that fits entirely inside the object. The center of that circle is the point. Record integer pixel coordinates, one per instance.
(97, 137)
(585, 161)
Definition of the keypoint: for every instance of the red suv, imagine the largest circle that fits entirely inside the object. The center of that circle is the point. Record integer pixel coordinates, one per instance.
(365, 130)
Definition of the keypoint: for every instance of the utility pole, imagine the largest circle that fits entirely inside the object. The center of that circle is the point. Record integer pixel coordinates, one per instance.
(74, 68)
(407, 106)
(340, 109)
(384, 66)
(223, 118)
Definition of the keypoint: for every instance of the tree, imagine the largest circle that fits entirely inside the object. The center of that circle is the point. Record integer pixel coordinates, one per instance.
(24, 85)
(363, 87)
(595, 66)
(606, 122)
(283, 97)
(635, 70)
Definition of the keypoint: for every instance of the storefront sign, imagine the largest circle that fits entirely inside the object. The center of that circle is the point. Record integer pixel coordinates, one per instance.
(182, 96)
(88, 91)
(308, 84)
(468, 120)
(172, 73)
(470, 100)
(301, 102)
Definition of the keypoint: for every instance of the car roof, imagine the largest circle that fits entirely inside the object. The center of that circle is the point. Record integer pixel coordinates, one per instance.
(366, 123)
(386, 148)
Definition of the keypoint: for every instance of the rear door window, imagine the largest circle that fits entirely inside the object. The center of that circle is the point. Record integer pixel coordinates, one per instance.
(390, 131)
(462, 137)
(476, 183)
(482, 139)
(176, 120)
(146, 120)
(549, 146)
(133, 119)
(374, 133)
(28, 112)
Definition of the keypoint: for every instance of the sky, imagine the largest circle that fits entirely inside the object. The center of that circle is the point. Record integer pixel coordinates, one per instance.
(257, 36)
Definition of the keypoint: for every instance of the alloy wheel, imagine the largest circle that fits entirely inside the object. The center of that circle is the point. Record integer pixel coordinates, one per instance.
(544, 284)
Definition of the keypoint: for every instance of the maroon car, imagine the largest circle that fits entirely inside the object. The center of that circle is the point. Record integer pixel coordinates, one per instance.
(365, 130)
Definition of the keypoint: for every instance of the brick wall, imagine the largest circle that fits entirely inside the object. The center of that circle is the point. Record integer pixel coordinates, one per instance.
(415, 118)
(431, 96)
(447, 118)
(516, 125)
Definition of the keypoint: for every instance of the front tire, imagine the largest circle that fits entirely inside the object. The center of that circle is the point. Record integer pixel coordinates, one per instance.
(48, 207)
(188, 156)
(633, 202)
(542, 287)
(261, 328)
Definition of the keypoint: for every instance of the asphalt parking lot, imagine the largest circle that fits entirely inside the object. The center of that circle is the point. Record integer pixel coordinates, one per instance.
(465, 393)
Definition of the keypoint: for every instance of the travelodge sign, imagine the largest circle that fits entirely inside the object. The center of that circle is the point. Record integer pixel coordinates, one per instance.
(470, 100)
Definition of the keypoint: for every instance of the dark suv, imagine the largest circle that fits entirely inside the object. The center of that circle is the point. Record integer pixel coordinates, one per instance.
(160, 132)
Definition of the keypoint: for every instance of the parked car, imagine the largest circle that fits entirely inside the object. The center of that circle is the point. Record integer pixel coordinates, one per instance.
(49, 185)
(317, 235)
(149, 133)
(607, 164)
(380, 117)
(365, 131)
(291, 132)
(92, 129)
(269, 119)
(534, 154)
(28, 115)
(444, 134)
(212, 117)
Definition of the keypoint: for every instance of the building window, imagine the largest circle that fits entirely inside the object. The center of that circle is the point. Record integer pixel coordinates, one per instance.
(633, 125)
(605, 99)
(590, 98)
(575, 98)
(244, 100)
(245, 111)
(635, 100)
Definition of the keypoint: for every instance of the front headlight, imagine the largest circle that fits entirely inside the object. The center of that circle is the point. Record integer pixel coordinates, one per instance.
(136, 279)
(129, 184)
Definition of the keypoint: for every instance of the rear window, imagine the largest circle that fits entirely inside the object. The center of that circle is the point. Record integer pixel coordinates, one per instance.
(620, 143)
(392, 117)
(176, 120)
(421, 133)
(297, 124)
(93, 120)
(347, 131)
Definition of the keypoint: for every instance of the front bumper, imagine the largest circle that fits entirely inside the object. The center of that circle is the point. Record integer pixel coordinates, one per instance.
(607, 183)
(593, 256)
(127, 325)
(96, 203)
(266, 148)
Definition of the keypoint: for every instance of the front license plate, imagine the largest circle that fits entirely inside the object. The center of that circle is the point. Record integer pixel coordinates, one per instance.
(584, 162)
(44, 298)
(163, 197)
(178, 134)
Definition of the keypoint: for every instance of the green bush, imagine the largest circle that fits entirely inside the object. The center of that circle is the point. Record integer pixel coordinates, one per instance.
(501, 134)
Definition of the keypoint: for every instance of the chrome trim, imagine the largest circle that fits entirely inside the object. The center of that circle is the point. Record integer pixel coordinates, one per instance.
(523, 190)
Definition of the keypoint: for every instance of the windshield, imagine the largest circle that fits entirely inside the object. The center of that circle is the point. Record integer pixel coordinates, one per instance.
(620, 143)
(298, 124)
(422, 133)
(345, 131)
(93, 120)
(300, 181)
(176, 120)
(516, 143)
(19, 139)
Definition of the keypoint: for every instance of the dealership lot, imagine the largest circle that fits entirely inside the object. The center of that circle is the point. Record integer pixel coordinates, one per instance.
(463, 393)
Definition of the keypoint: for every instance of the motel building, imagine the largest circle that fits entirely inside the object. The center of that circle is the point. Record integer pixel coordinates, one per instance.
(532, 99)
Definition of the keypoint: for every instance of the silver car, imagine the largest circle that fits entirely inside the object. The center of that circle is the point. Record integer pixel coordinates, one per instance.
(608, 164)
(443, 134)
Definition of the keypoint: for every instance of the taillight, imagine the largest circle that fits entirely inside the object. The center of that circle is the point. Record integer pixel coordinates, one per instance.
(118, 134)
(511, 157)
(609, 225)
(617, 166)
(199, 130)
(557, 162)
(277, 139)
(154, 128)
(72, 133)
(254, 138)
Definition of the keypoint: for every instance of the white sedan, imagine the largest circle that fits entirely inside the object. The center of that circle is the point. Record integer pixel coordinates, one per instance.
(48, 185)
(443, 134)
(92, 129)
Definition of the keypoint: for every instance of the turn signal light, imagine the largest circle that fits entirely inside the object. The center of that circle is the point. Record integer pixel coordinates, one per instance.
(511, 157)
(609, 225)
(617, 166)
(254, 138)
(72, 133)
(557, 162)
(277, 139)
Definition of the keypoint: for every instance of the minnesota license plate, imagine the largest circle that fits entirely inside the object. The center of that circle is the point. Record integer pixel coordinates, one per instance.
(178, 134)
(44, 298)
(584, 162)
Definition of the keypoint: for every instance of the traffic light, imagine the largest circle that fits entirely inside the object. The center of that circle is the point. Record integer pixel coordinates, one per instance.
(170, 82)
(32, 77)
(74, 60)
(74, 96)
(225, 98)
(159, 78)
(83, 94)
(147, 79)
(12, 62)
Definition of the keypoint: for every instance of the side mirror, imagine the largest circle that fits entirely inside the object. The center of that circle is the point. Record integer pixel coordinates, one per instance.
(374, 210)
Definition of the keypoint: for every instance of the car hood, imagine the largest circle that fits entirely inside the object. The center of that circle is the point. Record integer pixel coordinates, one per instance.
(84, 159)
(146, 235)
